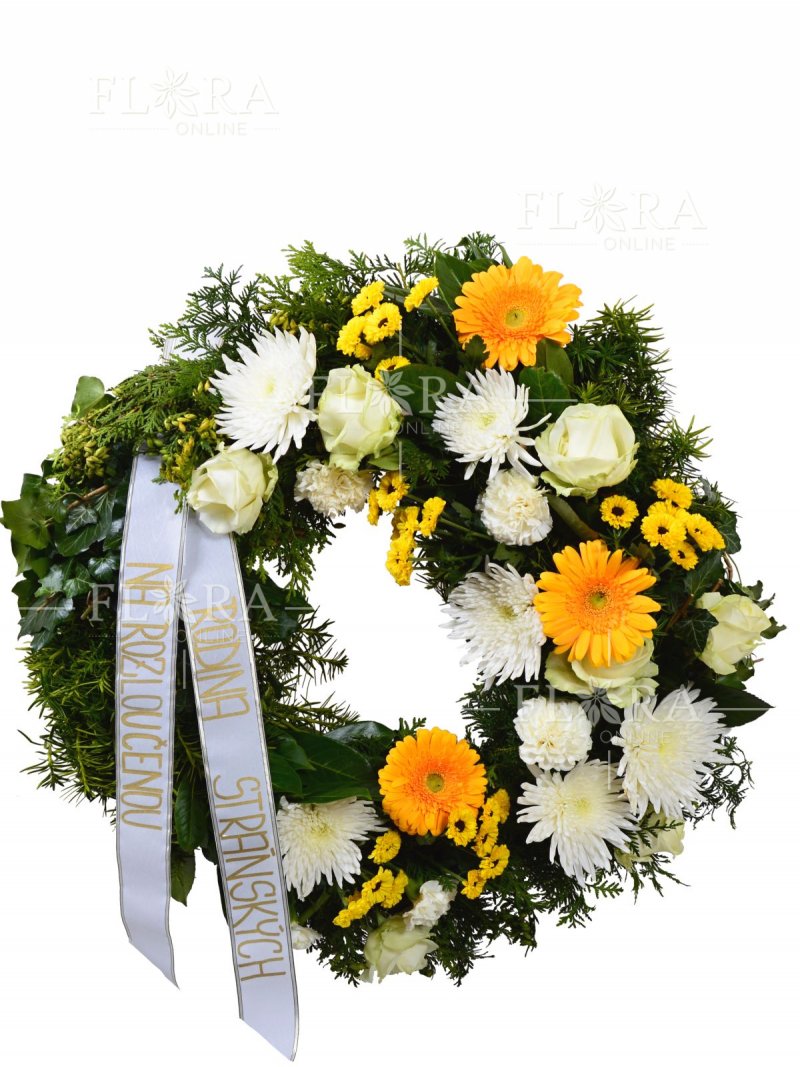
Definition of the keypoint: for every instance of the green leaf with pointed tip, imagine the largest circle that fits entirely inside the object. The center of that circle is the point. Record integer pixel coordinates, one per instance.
(88, 392)
(191, 817)
(737, 705)
(547, 393)
(285, 778)
(182, 872)
(417, 386)
(551, 356)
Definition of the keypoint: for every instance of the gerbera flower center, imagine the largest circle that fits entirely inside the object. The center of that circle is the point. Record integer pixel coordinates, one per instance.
(435, 782)
(515, 317)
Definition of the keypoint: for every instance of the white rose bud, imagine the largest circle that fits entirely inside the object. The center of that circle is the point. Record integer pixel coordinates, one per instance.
(227, 491)
(432, 903)
(738, 630)
(357, 416)
(395, 948)
(658, 839)
(624, 683)
(587, 447)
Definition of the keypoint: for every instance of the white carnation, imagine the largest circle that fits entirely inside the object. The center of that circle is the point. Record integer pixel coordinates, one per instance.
(514, 509)
(432, 903)
(555, 734)
(332, 490)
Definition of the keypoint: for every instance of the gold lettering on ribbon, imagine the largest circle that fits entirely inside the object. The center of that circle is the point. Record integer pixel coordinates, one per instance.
(218, 661)
(252, 880)
(143, 670)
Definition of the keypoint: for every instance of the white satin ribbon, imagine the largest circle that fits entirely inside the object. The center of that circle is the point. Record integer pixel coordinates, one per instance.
(208, 585)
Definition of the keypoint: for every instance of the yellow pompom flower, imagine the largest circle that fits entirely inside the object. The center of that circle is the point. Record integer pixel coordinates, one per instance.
(676, 492)
(618, 511)
(390, 364)
(386, 847)
(381, 323)
(426, 776)
(462, 824)
(362, 351)
(704, 533)
(393, 889)
(594, 605)
(663, 528)
(350, 336)
(513, 308)
(391, 489)
(684, 555)
(474, 884)
(420, 292)
(399, 558)
(493, 865)
(369, 297)
(373, 508)
(431, 510)
(405, 521)
(486, 837)
(497, 806)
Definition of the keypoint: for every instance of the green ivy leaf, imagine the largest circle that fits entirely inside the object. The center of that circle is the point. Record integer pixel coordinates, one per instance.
(705, 575)
(182, 872)
(88, 393)
(102, 568)
(694, 629)
(27, 520)
(79, 515)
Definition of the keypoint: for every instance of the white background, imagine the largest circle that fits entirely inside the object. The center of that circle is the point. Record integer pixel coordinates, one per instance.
(385, 120)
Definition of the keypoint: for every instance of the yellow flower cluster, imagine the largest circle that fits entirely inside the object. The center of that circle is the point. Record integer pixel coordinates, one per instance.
(386, 847)
(669, 524)
(420, 292)
(407, 522)
(383, 888)
(373, 321)
(390, 364)
(618, 511)
(493, 857)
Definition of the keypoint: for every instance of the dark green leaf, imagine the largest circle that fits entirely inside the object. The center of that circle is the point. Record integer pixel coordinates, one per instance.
(291, 751)
(417, 387)
(27, 520)
(705, 575)
(285, 778)
(452, 272)
(551, 356)
(73, 543)
(547, 393)
(79, 515)
(738, 706)
(191, 816)
(182, 871)
(102, 568)
(88, 392)
(694, 629)
(367, 730)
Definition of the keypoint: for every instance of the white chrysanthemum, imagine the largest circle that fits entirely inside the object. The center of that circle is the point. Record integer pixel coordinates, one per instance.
(555, 734)
(483, 422)
(265, 396)
(582, 812)
(494, 613)
(432, 903)
(667, 750)
(514, 509)
(332, 490)
(320, 841)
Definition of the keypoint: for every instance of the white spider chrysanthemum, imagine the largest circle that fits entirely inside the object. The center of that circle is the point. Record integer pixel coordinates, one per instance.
(265, 396)
(332, 490)
(494, 613)
(582, 812)
(320, 841)
(514, 509)
(667, 749)
(555, 734)
(482, 423)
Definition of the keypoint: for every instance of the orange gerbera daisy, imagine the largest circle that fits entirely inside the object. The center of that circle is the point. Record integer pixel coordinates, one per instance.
(513, 308)
(426, 777)
(594, 606)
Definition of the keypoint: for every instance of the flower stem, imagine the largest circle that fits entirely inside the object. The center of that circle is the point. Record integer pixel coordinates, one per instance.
(569, 516)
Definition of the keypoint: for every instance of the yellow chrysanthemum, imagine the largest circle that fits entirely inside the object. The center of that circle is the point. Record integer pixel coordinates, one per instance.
(497, 806)
(420, 292)
(390, 364)
(393, 889)
(593, 604)
(513, 308)
(676, 492)
(431, 510)
(391, 489)
(362, 351)
(663, 528)
(399, 558)
(684, 555)
(427, 776)
(704, 533)
(461, 825)
(486, 837)
(474, 884)
(386, 847)
(493, 865)
(618, 511)
(405, 521)
(374, 508)
(369, 297)
(381, 323)
(350, 336)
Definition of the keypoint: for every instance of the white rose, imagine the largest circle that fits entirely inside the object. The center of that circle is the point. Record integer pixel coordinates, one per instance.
(432, 903)
(624, 683)
(396, 948)
(737, 632)
(227, 491)
(587, 447)
(357, 416)
(303, 937)
(657, 839)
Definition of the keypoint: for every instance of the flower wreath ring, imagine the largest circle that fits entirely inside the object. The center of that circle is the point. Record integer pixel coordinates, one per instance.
(527, 469)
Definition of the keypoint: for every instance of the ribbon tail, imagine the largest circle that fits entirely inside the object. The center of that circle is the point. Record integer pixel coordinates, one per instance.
(239, 786)
(147, 632)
